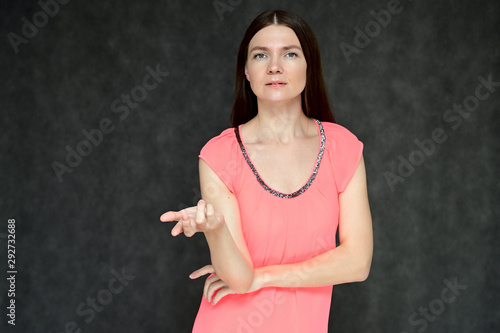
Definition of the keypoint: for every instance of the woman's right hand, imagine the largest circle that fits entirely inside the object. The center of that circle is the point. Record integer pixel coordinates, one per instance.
(199, 218)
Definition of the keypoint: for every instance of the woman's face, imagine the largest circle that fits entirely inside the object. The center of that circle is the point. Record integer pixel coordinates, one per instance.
(276, 66)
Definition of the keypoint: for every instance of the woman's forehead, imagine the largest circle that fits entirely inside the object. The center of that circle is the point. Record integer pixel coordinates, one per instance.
(274, 36)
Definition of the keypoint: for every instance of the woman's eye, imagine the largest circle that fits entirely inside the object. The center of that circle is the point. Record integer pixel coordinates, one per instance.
(291, 55)
(259, 56)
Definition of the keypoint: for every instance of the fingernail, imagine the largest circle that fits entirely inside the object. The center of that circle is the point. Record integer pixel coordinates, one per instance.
(201, 201)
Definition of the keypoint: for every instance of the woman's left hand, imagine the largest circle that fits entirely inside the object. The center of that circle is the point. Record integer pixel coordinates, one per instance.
(214, 285)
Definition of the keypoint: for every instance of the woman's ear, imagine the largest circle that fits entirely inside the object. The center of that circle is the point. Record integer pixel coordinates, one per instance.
(246, 73)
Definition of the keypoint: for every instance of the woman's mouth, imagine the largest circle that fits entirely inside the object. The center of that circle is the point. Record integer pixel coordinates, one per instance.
(275, 84)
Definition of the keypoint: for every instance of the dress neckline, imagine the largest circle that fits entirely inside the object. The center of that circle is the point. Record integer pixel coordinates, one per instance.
(311, 178)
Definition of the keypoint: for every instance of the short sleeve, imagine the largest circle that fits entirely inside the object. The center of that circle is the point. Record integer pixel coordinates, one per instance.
(218, 153)
(346, 152)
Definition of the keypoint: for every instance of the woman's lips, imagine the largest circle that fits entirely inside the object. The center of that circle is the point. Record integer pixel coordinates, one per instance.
(276, 84)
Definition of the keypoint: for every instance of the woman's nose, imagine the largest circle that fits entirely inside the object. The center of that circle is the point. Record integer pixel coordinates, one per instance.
(274, 66)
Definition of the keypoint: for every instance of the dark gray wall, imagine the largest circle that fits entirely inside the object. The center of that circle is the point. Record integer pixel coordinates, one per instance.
(435, 222)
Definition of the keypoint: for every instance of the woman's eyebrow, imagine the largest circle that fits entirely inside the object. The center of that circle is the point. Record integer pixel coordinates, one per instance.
(263, 48)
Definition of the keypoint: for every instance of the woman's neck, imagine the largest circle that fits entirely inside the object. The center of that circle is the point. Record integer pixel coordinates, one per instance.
(279, 122)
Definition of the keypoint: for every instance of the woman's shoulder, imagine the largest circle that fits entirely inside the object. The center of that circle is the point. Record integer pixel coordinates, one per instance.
(334, 131)
(222, 143)
(225, 136)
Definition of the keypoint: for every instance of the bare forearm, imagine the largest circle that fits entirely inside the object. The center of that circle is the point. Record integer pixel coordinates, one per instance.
(229, 254)
(336, 266)
(229, 264)
(349, 262)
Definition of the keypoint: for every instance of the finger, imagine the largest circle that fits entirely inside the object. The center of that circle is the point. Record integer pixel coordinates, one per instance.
(177, 215)
(177, 230)
(194, 226)
(171, 216)
(209, 281)
(210, 212)
(187, 227)
(213, 288)
(221, 293)
(208, 269)
(200, 212)
(212, 216)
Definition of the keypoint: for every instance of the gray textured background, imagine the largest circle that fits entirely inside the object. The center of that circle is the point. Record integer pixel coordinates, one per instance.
(440, 223)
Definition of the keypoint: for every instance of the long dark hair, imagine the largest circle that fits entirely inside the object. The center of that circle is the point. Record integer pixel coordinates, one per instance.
(314, 98)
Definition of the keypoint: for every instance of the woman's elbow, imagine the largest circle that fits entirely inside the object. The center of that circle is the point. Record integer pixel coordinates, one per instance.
(363, 274)
(240, 284)
(363, 270)
(240, 288)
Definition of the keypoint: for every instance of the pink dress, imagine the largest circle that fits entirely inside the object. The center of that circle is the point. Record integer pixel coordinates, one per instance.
(280, 229)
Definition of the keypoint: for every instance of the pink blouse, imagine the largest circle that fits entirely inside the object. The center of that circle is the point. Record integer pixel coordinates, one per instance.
(281, 229)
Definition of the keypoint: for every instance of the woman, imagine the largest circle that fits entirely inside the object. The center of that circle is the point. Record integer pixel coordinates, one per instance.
(275, 188)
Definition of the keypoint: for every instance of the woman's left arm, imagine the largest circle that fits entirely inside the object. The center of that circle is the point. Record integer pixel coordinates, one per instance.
(348, 262)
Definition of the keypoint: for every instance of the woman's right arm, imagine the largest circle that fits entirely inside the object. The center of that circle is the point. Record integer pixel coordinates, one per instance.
(217, 215)
(228, 250)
